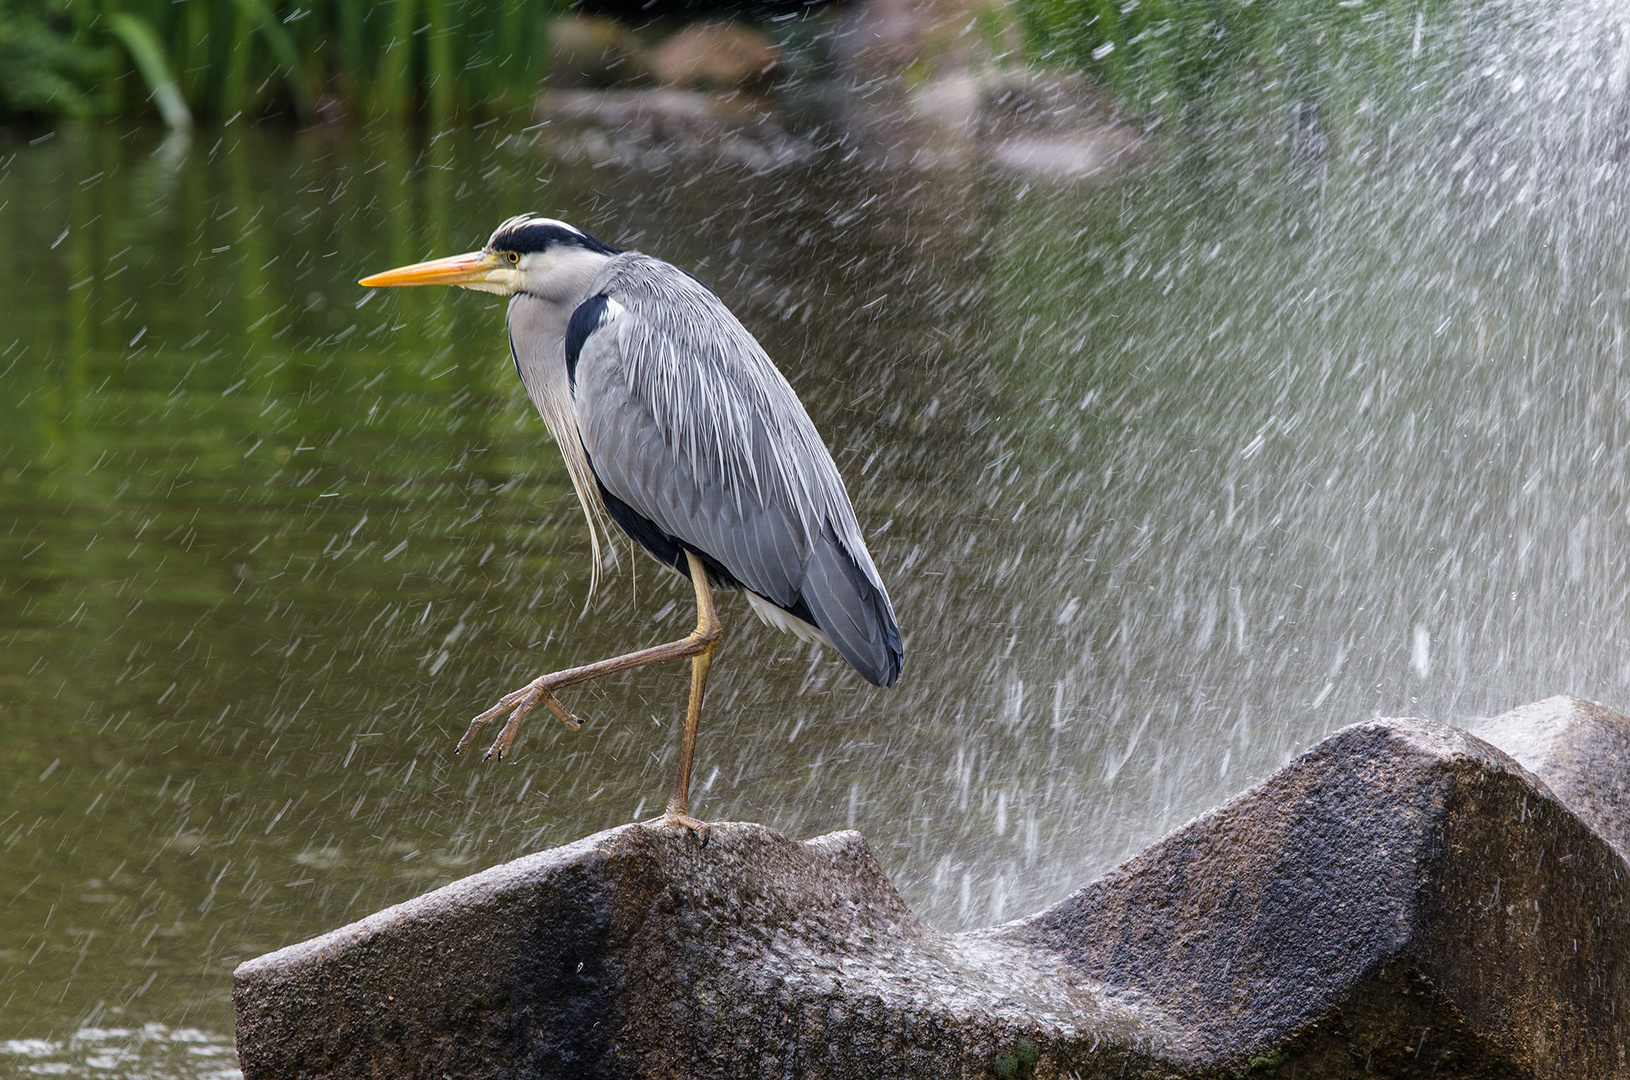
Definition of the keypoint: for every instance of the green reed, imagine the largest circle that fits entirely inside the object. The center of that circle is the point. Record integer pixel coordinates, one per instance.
(217, 59)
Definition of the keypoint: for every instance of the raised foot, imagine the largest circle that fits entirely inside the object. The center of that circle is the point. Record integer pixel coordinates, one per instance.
(540, 691)
(671, 820)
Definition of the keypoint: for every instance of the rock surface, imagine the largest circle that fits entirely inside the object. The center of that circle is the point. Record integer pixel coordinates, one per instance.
(1404, 899)
(1582, 753)
(717, 56)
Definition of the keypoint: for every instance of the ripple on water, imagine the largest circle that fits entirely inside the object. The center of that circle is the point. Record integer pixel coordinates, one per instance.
(150, 1052)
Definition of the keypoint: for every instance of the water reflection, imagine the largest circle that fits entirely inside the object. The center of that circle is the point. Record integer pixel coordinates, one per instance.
(1169, 476)
(116, 1053)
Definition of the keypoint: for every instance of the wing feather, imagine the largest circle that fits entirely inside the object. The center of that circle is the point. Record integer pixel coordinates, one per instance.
(688, 423)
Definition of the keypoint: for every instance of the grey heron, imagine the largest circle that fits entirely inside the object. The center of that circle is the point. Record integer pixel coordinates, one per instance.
(675, 425)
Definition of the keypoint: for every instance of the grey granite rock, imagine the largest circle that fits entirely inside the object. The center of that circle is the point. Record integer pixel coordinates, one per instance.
(1582, 753)
(1404, 900)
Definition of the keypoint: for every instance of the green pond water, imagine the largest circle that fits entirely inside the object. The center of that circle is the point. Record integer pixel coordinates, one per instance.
(1170, 474)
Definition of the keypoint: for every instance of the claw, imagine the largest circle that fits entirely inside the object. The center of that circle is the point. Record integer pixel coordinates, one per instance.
(478, 723)
(560, 710)
(506, 737)
(521, 701)
(671, 820)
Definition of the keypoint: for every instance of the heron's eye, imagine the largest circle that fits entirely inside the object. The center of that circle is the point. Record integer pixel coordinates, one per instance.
(512, 256)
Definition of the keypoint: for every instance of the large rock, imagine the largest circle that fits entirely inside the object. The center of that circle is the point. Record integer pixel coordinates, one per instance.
(640, 952)
(1580, 750)
(1404, 899)
(717, 56)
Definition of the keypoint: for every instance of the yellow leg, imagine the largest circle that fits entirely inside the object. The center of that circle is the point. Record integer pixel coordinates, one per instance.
(679, 805)
(698, 645)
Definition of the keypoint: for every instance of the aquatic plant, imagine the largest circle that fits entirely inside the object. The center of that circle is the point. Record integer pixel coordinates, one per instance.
(42, 72)
(219, 59)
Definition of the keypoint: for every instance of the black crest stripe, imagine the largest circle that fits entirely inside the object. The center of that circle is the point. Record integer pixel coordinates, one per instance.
(532, 236)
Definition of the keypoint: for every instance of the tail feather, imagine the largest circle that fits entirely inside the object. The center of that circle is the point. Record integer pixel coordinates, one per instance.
(851, 607)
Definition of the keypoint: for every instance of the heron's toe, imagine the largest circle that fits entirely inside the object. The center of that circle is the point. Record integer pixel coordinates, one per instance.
(670, 820)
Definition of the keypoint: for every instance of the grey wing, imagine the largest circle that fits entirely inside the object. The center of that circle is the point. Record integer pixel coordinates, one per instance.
(699, 443)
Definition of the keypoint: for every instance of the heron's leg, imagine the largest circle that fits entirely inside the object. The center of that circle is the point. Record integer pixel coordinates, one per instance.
(541, 691)
(707, 623)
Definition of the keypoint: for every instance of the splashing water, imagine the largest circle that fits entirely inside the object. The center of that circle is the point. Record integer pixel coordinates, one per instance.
(124, 1053)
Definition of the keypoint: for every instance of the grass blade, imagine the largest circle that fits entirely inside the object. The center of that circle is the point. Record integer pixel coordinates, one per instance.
(281, 44)
(144, 48)
(394, 85)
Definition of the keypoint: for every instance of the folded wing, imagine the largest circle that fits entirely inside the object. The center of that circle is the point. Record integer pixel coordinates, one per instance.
(699, 443)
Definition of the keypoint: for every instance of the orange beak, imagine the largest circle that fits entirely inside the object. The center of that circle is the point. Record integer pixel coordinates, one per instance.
(475, 268)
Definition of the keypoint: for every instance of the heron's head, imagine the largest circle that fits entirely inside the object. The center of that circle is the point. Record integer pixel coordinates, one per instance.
(526, 254)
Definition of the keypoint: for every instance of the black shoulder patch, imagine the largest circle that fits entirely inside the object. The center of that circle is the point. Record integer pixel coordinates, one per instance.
(668, 550)
(585, 320)
(514, 357)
